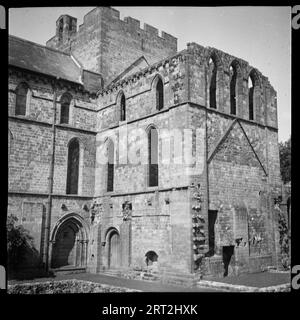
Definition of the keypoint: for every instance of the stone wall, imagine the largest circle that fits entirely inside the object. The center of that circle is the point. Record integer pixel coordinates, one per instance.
(265, 107)
(31, 140)
(159, 222)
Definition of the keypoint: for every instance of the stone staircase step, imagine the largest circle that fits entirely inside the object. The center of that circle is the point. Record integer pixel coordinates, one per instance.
(179, 274)
(167, 276)
(178, 281)
(176, 277)
(68, 270)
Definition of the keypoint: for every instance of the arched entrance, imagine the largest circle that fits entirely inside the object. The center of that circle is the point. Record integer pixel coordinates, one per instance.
(114, 254)
(69, 242)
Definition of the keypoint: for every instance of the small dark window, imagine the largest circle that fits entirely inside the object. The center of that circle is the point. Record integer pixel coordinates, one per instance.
(65, 108)
(110, 166)
(153, 157)
(60, 28)
(151, 256)
(21, 99)
(213, 84)
(123, 108)
(233, 74)
(159, 94)
(212, 216)
(73, 167)
(10, 142)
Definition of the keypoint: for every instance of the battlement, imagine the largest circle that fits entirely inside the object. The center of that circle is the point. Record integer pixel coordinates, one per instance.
(66, 26)
(103, 34)
(129, 22)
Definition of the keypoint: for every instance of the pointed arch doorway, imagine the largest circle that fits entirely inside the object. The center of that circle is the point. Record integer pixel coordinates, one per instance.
(114, 252)
(69, 243)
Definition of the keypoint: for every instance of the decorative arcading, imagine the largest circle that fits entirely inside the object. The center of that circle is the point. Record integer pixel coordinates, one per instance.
(198, 225)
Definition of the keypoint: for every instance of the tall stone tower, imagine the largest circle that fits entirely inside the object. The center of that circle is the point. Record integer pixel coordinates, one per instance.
(107, 45)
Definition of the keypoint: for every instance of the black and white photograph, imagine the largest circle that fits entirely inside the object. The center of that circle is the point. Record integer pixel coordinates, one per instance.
(149, 150)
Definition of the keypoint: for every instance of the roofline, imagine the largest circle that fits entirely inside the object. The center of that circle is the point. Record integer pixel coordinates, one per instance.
(46, 74)
(65, 15)
(38, 45)
(134, 64)
(154, 65)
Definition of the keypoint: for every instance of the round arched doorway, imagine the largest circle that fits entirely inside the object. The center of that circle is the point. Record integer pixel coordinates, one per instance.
(69, 243)
(114, 254)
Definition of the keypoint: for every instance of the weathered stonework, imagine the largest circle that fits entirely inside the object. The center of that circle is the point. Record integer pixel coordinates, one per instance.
(235, 177)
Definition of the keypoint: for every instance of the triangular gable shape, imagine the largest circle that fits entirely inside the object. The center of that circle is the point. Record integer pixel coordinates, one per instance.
(137, 65)
(235, 147)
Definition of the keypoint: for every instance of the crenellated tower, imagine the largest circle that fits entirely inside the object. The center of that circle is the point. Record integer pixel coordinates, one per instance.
(108, 45)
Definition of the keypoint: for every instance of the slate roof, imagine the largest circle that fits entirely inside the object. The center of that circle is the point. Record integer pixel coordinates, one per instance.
(35, 57)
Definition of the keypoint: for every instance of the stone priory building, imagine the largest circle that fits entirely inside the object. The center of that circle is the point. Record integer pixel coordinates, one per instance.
(125, 154)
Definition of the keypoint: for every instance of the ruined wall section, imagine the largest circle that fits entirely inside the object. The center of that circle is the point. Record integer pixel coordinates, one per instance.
(265, 108)
(243, 170)
(236, 184)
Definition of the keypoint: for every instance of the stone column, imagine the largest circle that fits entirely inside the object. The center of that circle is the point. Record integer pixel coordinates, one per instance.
(125, 235)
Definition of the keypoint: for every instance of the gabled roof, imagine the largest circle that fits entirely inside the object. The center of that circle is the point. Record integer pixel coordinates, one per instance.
(136, 66)
(35, 57)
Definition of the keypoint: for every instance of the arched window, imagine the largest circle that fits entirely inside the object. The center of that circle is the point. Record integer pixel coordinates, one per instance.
(10, 142)
(65, 108)
(212, 83)
(122, 108)
(73, 167)
(110, 166)
(152, 157)
(22, 93)
(253, 84)
(159, 94)
(233, 79)
(250, 97)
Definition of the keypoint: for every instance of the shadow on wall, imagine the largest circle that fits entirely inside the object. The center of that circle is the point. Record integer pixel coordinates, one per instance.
(228, 252)
(24, 261)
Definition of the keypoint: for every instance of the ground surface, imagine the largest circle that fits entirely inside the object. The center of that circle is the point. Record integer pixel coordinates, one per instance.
(146, 286)
(262, 279)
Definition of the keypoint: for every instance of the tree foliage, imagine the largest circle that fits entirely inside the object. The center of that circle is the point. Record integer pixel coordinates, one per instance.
(18, 240)
(285, 160)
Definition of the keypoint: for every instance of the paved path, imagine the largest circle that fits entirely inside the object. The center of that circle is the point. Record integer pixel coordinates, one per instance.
(260, 279)
(146, 286)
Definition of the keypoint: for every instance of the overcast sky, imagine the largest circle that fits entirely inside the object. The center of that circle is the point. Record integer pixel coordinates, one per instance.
(259, 35)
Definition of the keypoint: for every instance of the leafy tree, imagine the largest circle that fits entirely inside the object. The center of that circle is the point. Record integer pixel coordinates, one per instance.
(285, 160)
(18, 240)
